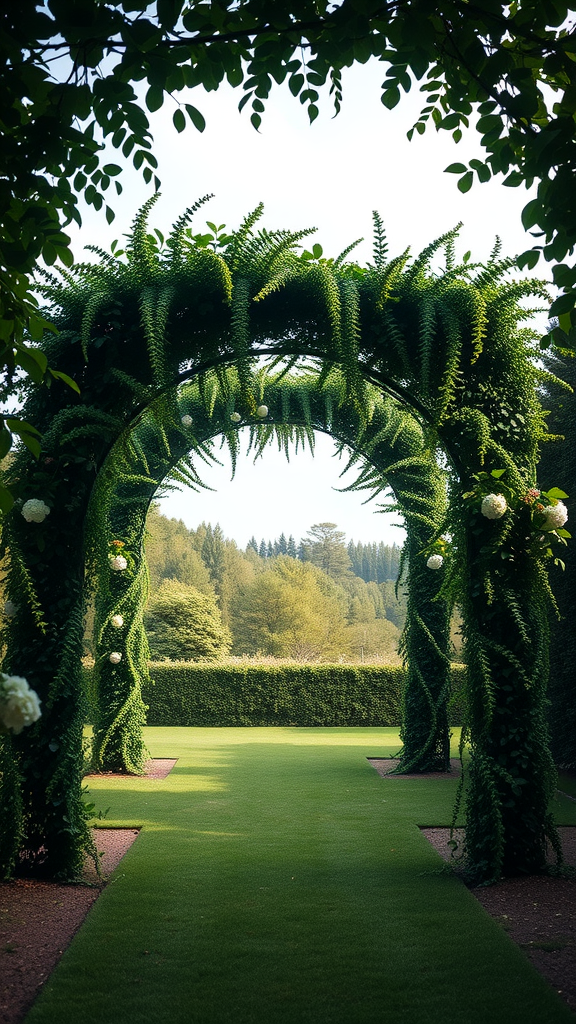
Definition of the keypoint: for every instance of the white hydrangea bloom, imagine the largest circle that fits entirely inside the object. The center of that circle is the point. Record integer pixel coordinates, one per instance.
(10, 609)
(556, 516)
(19, 704)
(115, 657)
(118, 563)
(35, 510)
(435, 561)
(494, 506)
(262, 411)
(117, 621)
(186, 420)
(235, 417)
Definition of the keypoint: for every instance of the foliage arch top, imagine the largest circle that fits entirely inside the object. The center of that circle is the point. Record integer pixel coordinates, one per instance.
(447, 343)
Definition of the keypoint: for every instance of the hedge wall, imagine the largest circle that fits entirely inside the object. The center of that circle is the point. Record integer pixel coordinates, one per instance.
(184, 693)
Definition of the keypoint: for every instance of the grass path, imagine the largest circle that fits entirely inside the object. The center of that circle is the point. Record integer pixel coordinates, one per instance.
(278, 879)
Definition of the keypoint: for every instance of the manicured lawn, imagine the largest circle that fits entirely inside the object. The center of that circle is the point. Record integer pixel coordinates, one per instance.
(278, 879)
(567, 783)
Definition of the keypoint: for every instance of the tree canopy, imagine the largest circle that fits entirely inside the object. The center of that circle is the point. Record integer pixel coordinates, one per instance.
(69, 68)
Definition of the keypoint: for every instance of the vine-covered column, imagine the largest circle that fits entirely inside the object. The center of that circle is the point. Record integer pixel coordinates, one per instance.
(44, 825)
(507, 533)
(122, 660)
(425, 731)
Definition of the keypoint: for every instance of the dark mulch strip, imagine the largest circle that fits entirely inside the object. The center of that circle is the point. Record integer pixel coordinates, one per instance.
(155, 768)
(38, 920)
(386, 765)
(538, 911)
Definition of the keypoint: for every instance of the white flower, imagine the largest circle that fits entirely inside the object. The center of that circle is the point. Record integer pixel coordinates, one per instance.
(494, 506)
(556, 515)
(115, 657)
(19, 705)
(186, 420)
(262, 411)
(435, 561)
(235, 417)
(10, 609)
(118, 563)
(35, 510)
(117, 621)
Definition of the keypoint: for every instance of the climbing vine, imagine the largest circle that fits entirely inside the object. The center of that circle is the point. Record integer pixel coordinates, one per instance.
(443, 340)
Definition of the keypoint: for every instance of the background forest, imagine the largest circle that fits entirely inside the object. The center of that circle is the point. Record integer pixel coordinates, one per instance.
(316, 599)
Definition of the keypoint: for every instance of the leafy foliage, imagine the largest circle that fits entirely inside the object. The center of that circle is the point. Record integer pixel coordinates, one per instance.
(301, 695)
(184, 625)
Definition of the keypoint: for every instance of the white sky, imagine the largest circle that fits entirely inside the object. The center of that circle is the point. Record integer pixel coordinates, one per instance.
(329, 175)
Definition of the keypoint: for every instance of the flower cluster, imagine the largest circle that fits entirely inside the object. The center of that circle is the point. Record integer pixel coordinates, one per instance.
(186, 420)
(115, 657)
(117, 621)
(35, 510)
(117, 561)
(494, 506)
(435, 562)
(19, 704)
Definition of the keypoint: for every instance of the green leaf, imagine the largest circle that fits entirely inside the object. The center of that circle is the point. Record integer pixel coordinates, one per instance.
(563, 304)
(317, 250)
(32, 444)
(450, 121)
(5, 442)
(514, 180)
(531, 213)
(565, 322)
(154, 98)
(17, 426)
(179, 120)
(196, 117)
(6, 499)
(528, 259)
(58, 375)
(455, 169)
(391, 97)
(556, 492)
(295, 83)
(465, 183)
(497, 473)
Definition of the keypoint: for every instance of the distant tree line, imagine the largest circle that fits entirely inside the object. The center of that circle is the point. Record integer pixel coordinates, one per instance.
(210, 599)
(373, 563)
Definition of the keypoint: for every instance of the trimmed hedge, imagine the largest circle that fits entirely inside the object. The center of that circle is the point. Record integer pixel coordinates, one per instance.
(188, 694)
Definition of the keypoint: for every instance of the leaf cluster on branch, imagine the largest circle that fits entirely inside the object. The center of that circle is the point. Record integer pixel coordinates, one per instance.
(68, 73)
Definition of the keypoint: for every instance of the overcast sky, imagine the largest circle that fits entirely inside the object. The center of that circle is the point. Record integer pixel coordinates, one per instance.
(329, 175)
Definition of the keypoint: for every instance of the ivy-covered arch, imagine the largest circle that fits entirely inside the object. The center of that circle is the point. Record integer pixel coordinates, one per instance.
(446, 342)
(392, 446)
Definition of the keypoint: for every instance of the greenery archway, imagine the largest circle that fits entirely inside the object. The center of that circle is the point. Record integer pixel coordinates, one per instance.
(393, 446)
(447, 343)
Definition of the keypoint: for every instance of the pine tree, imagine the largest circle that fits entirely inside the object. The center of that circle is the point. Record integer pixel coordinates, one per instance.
(327, 550)
(291, 549)
(262, 549)
(213, 553)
